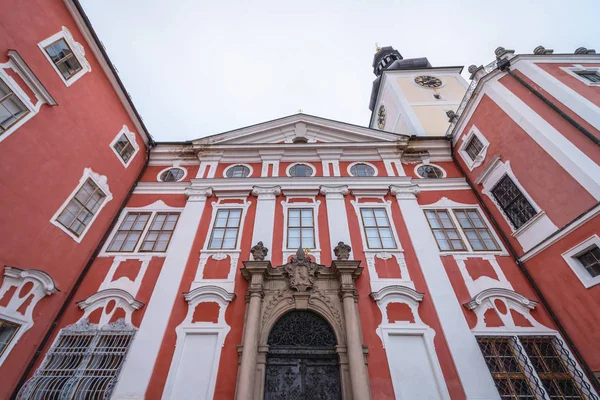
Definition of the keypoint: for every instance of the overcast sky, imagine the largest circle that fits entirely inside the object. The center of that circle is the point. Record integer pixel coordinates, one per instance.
(196, 68)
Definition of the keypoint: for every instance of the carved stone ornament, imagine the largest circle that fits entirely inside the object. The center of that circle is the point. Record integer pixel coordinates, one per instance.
(300, 272)
(259, 252)
(342, 251)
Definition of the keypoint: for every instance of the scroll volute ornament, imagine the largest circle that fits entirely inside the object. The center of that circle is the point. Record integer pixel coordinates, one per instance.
(300, 272)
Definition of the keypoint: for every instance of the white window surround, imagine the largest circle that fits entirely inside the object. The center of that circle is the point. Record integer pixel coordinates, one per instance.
(132, 139)
(154, 208)
(314, 205)
(242, 164)
(216, 206)
(78, 52)
(287, 170)
(102, 183)
(43, 286)
(446, 204)
(472, 164)
(533, 231)
(387, 205)
(375, 170)
(570, 256)
(175, 165)
(100, 300)
(573, 71)
(433, 165)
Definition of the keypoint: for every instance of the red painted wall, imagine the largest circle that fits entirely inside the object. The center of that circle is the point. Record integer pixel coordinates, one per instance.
(592, 93)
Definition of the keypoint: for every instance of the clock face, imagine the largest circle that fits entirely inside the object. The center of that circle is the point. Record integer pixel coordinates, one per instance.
(381, 117)
(428, 81)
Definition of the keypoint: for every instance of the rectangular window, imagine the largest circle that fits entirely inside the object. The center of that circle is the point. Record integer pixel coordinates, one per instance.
(81, 208)
(443, 229)
(62, 56)
(225, 229)
(129, 232)
(475, 230)
(160, 232)
(8, 330)
(591, 76)
(124, 148)
(474, 147)
(301, 228)
(11, 107)
(377, 228)
(514, 204)
(591, 261)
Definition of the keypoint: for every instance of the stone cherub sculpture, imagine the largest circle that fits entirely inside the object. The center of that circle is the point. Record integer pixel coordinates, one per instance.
(259, 252)
(342, 251)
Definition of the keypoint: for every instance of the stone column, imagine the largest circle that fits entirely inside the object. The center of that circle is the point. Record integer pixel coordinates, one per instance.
(336, 214)
(470, 365)
(139, 364)
(254, 273)
(347, 272)
(265, 215)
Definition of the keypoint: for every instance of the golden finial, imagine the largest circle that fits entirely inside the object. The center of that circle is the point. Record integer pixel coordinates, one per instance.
(377, 48)
(307, 250)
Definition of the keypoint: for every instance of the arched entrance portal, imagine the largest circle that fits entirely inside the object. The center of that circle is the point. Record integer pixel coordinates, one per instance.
(302, 362)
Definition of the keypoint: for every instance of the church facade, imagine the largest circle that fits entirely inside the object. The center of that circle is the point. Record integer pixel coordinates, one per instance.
(448, 250)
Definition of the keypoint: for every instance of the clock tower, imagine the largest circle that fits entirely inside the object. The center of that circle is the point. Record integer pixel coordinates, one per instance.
(410, 96)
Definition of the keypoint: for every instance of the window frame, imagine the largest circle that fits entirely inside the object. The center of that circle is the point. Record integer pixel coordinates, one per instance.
(76, 49)
(7, 346)
(131, 137)
(62, 60)
(213, 227)
(416, 170)
(149, 229)
(454, 226)
(13, 94)
(576, 69)
(571, 258)
(389, 226)
(473, 163)
(232, 167)
(101, 182)
(288, 170)
(505, 209)
(486, 226)
(118, 230)
(287, 228)
(354, 164)
(185, 173)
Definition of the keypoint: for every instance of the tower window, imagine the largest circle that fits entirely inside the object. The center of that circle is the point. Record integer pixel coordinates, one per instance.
(514, 204)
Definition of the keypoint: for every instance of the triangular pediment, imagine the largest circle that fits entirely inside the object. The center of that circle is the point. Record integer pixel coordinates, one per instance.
(298, 127)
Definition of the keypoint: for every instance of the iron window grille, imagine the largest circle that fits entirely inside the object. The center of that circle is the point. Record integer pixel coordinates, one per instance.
(12, 108)
(590, 260)
(159, 234)
(124, 147)
(445, 232)
(62, 56)
(300, 229)
(81, 208)
(377, 228)
(301, 170)
(172, 175)
(83, 363)
(476, 231)
(591, 76)
(225, 229)
(512, 201)
(362, 170)
(238, 171)
(430, 171)
(8, 330)
(474, 147)
(129, 233)
(533, 367)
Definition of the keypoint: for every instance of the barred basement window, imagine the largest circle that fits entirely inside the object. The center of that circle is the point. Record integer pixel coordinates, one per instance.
(8, 330)
(531, 367)
(225, 229)
(84, 363)
(591, 261)
(12, 108)
(301, 228)
(82, 207)
(160, 232)
(124, 148)
(377, 228)
(62, 56)
(444, 231)
(474, 147)
(513, 202)
(362, 170)
(591, 76)
(129, 233)
(476, 230)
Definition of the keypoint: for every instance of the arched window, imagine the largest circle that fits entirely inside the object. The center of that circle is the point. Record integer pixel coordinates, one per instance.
(301, 170)
(172, 175)
(362, 170)
(238, 171)
(430, 171)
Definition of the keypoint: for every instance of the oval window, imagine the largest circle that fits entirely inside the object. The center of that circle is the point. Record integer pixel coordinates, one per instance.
(430, 171)
(238, 171)
(362, 170)
(172, 175)
(301, 170)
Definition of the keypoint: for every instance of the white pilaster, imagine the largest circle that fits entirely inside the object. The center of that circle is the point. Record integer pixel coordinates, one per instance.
(472, 370)
(265, 216)
(139, 364)
(336, 215)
